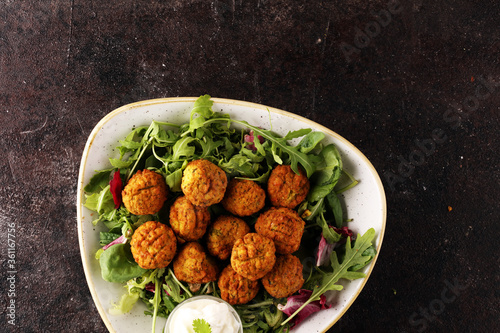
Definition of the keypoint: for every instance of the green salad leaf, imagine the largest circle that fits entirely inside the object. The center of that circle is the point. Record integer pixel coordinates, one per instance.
(98, 181)
(310, 141)
(262, 315)
(101, 202)
(118, 265)
(126, 303)
(280, 146)
(328, 173)
(107, 237)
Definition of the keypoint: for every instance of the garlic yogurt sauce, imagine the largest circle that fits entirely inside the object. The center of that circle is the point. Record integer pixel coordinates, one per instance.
(219, 314)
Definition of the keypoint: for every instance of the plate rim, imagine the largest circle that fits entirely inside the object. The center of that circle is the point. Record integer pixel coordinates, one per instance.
(145, 103)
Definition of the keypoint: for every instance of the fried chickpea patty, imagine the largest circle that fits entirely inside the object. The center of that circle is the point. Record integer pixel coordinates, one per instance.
(153, 245)
(243, 197)
(285, 277)
(223, 233)
(188, 221)
(203, 183)
(253, 256)
(193, 265)
(145, 193)
(286, 188)
(284, 226)
(236, 289)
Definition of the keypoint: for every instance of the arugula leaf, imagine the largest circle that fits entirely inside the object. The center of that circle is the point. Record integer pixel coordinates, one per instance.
(132, 141)
(172, 276)
(353, 256)
(129, 145)
(261, 315)
(182, 148)
(202, 107)
(117, 163)
(239, 165)
(297, 134)
(369, 253)
(114, 219)
(296, 157)
(173, 288)
(140, 283)
(330, 235)
(167, 300)
(273, 320)
(201, 326)
(208, 146)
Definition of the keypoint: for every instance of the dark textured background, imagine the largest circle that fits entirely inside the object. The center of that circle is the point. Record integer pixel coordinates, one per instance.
(65, 64)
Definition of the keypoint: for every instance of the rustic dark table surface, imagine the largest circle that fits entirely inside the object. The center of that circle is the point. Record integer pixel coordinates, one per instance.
(414, 85)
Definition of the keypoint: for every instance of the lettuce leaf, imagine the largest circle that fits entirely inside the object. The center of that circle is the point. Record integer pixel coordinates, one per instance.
(327, 174)
(101, 202)
(118, 265)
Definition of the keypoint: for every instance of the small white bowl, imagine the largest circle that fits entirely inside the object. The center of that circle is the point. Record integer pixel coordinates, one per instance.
(172, 315)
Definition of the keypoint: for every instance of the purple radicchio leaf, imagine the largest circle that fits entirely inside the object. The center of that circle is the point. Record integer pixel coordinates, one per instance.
(345, 232)
(295, 301)
(116, 186)
(250, 137)
(120, 240)
(150, 287)
(325, 249)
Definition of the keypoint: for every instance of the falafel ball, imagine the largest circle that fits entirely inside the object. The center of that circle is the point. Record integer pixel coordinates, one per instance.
(145, 193)
(236, 289)
(188, 221)
(285, 278)
(223, 233)
(203, 183)
(193, 265)
(153, 245)
(243, 197)
(253, 256)
(286, 188)
(284, 226)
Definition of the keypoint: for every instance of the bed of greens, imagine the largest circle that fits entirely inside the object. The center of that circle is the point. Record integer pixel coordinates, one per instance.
(241, 150)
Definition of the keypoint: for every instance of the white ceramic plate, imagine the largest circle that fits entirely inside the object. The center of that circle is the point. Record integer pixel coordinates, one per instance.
(365, 203)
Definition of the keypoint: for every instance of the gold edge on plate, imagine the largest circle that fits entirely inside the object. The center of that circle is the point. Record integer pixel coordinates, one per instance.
(110, 115)
(80, 221)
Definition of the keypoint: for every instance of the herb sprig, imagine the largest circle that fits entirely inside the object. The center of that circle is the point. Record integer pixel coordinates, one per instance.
(201, 326)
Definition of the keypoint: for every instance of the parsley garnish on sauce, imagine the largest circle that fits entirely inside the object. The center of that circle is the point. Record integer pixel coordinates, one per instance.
(201, 326)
